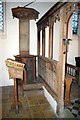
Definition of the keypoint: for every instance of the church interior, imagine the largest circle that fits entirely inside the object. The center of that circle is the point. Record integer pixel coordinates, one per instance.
(40, 59)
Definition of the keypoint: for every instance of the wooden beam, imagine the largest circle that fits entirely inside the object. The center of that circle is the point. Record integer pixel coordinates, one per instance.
(50, 53)
(43, 42)
(79, 36)
(38, 42)
(61, 66)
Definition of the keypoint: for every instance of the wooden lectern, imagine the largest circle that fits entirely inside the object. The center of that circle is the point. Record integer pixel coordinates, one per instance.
(15, 70)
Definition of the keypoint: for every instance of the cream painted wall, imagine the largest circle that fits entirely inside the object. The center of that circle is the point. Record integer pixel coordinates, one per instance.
(73, 48)
(9, 44)
(46, 41)
(56, 40)
(41, 42)
(1, 54)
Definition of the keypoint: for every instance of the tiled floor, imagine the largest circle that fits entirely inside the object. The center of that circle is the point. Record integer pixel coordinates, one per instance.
(34, 104)
(74, 108)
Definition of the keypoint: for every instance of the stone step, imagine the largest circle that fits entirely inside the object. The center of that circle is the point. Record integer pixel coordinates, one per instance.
(66, 114)
(37, 86)
(33, 93)
(31, 89)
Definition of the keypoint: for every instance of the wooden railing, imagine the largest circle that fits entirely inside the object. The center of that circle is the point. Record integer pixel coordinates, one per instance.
(71, 69)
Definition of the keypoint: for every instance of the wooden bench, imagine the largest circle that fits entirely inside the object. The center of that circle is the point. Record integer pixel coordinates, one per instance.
(72, 72)
(68, 82)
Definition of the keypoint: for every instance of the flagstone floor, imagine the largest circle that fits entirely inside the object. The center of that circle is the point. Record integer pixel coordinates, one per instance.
(34, 104)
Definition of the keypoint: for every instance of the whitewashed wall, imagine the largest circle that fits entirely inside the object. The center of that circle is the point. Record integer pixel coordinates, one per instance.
(46, 41)
(8, 44)
(56, 40)
(41, 42)
(73, 48)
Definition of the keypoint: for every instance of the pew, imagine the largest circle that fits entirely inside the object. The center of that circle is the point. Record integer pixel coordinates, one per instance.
(68, 82)
(71, 75)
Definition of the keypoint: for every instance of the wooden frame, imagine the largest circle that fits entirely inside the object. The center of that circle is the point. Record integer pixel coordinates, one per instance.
(60, 11)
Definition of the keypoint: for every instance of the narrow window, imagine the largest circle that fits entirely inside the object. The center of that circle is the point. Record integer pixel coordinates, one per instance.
(1, 16)
(75, 23)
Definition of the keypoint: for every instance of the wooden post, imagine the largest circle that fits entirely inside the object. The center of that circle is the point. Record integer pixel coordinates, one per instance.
(79, 86)
(50, 41)
(16, 103)
(79, 78)
(43, 42)
(79, 41)
(38, 42)
(61, 66)
(79, 32)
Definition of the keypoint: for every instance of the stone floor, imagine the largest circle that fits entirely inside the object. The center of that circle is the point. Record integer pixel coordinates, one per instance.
(34, 104)
(74, 107)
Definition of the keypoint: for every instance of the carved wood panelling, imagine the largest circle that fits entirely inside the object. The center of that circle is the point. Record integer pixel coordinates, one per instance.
(48, 72)
(56, 16)
(79, 7)
(61, 11)
(44, 21)
(69, 8)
